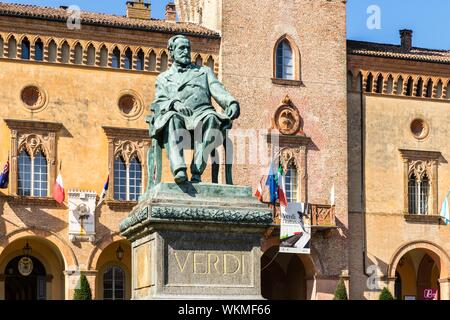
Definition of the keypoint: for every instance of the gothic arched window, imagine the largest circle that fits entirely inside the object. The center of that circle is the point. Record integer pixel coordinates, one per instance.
(284, 61)
(12, 48)
(65, 52)
(39, 50)
(140, 60)
(152, 61)
(199, 61)
(103, 57)
(128, 61)
(127, 179)
(418, 194)
(115, 62)
(164, 62)
(78, 58)
(114, 283)
(52, 51)
(25, 49)
(91, 55)
(32, 174)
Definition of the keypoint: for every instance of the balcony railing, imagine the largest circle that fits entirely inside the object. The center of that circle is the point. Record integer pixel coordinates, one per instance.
(321, 216)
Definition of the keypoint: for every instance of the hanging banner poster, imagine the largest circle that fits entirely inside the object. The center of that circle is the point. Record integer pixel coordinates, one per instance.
(295, 233)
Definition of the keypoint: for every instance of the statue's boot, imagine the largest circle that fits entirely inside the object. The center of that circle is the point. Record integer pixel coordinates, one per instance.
(180, 176)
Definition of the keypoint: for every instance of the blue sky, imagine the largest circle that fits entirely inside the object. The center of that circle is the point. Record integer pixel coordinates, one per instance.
(428, 19)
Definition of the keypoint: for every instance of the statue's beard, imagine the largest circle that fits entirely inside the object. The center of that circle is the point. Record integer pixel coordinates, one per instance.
(183, 61)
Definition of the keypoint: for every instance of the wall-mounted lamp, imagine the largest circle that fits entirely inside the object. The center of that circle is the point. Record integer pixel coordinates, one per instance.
(119, 253)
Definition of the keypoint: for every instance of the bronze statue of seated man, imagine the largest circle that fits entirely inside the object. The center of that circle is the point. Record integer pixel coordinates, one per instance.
(183, 104)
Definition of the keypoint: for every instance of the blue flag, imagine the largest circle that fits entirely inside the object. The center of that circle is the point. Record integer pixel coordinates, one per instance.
(4, 176)
(272, 183)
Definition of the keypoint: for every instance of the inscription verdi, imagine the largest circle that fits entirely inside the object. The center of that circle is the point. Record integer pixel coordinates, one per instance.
(211, 263)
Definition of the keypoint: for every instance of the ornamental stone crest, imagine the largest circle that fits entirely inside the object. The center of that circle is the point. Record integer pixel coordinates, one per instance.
(287, 118)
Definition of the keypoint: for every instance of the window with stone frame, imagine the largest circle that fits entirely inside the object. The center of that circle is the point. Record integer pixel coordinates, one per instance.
(127, 162)
(292, 183)
(33, 157)
(114, 283)
(286, 62)
(420, 170)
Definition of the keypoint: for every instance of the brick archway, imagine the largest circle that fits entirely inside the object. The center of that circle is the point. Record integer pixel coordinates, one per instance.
(435, 251)
(58, 244)
(312, 262)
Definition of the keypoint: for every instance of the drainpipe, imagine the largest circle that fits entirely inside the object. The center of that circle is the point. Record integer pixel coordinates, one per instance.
(363, 191)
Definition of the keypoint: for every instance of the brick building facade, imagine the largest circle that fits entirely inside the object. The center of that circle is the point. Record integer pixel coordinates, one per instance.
(78, 97)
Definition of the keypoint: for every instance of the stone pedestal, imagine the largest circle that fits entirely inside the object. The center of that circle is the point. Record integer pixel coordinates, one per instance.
(199, 241)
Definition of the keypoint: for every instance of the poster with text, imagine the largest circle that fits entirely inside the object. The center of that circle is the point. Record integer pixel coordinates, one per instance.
(295, 233)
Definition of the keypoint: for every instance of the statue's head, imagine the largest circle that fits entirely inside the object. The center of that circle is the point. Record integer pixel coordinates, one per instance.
(180, 49)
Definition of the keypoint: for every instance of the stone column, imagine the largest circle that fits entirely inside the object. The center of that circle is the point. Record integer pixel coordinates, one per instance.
(444, 285)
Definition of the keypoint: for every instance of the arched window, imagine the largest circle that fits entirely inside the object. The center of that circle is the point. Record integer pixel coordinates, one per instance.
(103, 57)
(447, 91)
(199, 61)
(210, 63)
(164, 62)
(400, 86)
(152, 61)
(128, 61)
(429, 93)
(114, 284)
(39, 50)
(78, 58)
(292, 184)
(115, 63)
(52, 51)
(380, 82)
(390, 85)
(25, 49)
(65, 52)
(12, 48)
(439, 89)
(409, 87)
(127, 179)
(1, 47)
(140, 60)
(284, 61)
(419, 89)
(369, 83)
(91, 55)
(418, 193)
(32, 174)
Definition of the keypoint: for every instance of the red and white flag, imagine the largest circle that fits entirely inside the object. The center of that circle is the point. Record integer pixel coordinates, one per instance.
(58, 189)
(281, 187)
(259, 191)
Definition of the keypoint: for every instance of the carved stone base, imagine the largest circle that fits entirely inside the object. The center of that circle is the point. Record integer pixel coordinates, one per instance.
(197, 241)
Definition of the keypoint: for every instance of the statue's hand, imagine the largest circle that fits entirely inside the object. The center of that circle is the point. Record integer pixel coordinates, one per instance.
(181, 108)
(233, 111)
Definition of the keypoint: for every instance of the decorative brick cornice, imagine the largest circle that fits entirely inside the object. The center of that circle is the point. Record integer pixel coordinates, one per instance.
(30, 125)
(420, 154)
(128, 133)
